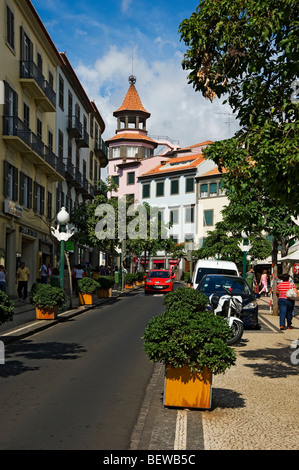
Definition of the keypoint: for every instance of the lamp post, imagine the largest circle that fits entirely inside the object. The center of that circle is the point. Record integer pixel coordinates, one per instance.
(245, 247)
(62, 235)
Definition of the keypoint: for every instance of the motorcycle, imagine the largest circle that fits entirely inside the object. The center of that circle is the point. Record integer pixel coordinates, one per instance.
(229, 306)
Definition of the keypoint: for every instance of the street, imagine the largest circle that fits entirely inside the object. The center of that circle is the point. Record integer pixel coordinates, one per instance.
(80, 384)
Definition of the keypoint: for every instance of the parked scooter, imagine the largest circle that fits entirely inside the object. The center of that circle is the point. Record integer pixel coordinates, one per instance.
(229, 306)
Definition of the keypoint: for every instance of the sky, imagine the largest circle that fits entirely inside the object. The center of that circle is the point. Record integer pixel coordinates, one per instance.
(106, 41)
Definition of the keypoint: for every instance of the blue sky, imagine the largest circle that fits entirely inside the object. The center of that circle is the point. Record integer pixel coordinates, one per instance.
(101, 37)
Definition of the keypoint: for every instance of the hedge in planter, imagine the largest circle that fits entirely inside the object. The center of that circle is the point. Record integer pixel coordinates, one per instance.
(192, 344)
(6, 308)
(87, 287)
(106, 283)
(48, 301)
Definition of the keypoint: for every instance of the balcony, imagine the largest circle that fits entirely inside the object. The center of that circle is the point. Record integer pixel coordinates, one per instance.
(20, 139)
(83, 141)
(72, 174)
(74, 127)
(88, 189)
(101, 151)
(33, 81)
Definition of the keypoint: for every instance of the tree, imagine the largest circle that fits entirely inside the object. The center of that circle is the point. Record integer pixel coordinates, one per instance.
(247, 51)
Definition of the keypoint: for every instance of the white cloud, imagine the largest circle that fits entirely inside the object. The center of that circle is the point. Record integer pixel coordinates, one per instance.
(125, 5)
(176, 109)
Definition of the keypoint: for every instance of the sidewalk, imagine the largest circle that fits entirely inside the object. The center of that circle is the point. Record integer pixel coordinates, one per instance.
(255, 404)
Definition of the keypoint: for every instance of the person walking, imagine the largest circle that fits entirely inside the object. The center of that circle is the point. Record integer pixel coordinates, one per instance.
(22, 280)
(44, 275)
(3, 279)
(264, 283)
(286, 305)
(250, 278)
(79, 274)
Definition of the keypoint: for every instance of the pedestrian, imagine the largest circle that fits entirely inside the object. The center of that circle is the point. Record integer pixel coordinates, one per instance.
(44, 275)
(22, 279)
(250, 278)
(79, 274)
(49, 271)
(3, 279)
(285, 304)
(264, 283)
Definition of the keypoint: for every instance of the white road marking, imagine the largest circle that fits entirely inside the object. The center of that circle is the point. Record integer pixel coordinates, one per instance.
(180, 440)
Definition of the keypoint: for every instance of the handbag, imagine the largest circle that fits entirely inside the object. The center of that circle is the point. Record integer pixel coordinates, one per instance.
(291, 294)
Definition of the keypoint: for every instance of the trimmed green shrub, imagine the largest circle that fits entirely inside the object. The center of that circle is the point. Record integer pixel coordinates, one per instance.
(196, 300)
(106, 282)
(47, 296)
(6, 308)
(87, 285)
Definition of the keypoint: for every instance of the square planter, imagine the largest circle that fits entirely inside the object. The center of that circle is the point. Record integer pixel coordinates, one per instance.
(129, 286)
(46, 313)
(85, 299)
(104, 293)
(183, 388)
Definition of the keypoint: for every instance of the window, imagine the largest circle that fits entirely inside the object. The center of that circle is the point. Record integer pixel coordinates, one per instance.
(132, 151)
(61, 92)
(10, 27)
(189, 214)
(208, 218)
(50, 140)
(131, 177)
(160, 188)
(213, 189)
(25, 196)
(10, 181)
(147, 152)
(26, 114)
(38, 198)
(174, 216)
(115, 152)
(189, 185)
(174, 238)
(91, 165)
(174, 186)
(221, 189)
(49, 206)
(39, 127)
(146, 190)
(115, 179)
(60, 144)
(203, 190)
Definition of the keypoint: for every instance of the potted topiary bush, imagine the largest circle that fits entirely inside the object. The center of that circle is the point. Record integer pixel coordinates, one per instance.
(139, 279)
(48, 301)
(193, 346)
(6, 308)
(87, 287)
(106, 283)
(130, 278)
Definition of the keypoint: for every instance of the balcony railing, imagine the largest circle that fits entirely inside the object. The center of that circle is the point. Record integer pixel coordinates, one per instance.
(101, 151)
(23, 140)
(74, 127)
(43, 93)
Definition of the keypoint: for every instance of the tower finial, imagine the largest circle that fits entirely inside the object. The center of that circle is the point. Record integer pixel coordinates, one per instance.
(132, 78)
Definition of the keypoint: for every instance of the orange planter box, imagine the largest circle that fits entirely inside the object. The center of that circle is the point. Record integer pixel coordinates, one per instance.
(85, 299)
(46, 313)
(183, 388)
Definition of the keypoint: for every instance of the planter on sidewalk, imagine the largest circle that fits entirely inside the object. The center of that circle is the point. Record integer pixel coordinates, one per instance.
(192, 343)
(87, 287)
(48, 301)
(106, 283)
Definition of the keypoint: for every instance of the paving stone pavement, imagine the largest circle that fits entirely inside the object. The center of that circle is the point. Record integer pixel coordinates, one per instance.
(255, 404)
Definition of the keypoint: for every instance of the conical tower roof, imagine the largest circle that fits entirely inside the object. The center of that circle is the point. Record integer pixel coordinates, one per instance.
(132, 101)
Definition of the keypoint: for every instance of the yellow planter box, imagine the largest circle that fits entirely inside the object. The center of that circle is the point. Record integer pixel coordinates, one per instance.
(103, 293)
(85, 299)
(46, 313)
(183, 388)
(129, 286)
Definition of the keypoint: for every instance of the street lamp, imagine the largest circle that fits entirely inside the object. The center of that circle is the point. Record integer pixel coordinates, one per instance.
(245, 247)
(62, 235)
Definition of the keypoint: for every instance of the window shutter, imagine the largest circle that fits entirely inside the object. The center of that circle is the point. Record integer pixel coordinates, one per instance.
(29, 193)
(34, 196)
(5, 179)
(21, 193)
(42, 200)
(15, 183)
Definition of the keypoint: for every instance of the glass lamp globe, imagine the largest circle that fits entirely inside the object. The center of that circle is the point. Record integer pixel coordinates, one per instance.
(63, 216)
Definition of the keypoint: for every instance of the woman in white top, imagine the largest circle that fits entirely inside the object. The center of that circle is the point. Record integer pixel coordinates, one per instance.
(3, 279)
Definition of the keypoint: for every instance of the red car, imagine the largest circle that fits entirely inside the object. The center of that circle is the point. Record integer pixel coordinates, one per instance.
(159, 280)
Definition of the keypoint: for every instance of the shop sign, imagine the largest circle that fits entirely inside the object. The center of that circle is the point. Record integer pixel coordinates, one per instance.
(10, 207)
(69, 246)
(27, 231)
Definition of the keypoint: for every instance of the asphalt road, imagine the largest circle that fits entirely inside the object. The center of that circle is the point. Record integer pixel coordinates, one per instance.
(80, 384)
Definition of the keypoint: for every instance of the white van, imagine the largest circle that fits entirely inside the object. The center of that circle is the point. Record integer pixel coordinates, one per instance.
(204, 266)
